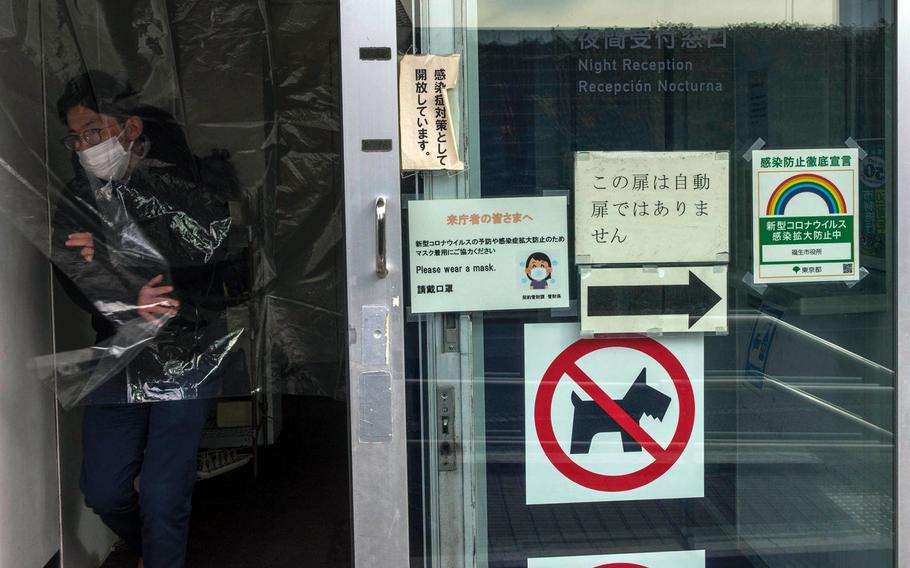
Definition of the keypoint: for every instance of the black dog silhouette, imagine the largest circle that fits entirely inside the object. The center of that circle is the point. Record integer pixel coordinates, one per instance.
(590, 419)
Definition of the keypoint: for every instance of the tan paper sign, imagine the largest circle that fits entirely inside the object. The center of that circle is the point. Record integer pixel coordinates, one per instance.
(428, 132)
(651, 207)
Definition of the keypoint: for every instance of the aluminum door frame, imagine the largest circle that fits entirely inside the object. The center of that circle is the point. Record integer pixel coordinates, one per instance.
(369, 108)
(457, 505)
(901, 258)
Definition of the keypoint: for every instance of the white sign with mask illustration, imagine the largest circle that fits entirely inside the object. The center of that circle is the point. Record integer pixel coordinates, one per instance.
(488, 254)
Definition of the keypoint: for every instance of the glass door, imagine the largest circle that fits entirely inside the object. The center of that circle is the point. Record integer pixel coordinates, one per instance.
(224, 322)
(780, 451)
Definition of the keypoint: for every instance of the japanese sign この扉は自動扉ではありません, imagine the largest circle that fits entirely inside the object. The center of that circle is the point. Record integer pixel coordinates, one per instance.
(651, 207)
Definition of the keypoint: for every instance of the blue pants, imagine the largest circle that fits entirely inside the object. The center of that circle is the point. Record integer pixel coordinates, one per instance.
(159, 441)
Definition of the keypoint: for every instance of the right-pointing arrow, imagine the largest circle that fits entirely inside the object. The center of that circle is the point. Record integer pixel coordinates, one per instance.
(694, 299)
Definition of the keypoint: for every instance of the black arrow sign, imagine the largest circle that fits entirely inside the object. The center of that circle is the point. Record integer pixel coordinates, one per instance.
(694, 299)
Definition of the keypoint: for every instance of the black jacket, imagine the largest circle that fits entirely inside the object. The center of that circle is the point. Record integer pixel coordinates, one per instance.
(163, 220)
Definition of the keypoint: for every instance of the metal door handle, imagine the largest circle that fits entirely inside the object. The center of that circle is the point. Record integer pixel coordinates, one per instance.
(382, 270)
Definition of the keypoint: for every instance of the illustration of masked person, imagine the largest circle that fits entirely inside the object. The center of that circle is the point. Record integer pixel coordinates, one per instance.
(136, 239)
(539, 270)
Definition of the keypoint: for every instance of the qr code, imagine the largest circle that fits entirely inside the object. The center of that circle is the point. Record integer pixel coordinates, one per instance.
(848, 268)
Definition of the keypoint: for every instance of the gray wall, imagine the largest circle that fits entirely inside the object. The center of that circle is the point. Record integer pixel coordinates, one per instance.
(29, 533)
(29, 527)
(37, 485)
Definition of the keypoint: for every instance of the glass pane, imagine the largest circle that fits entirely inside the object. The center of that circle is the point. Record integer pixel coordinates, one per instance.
(799, 395)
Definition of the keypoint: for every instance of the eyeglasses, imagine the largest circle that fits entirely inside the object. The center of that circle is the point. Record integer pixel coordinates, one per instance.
(90, 137)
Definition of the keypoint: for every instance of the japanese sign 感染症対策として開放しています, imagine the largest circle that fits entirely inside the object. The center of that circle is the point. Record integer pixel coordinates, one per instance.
(427, 123)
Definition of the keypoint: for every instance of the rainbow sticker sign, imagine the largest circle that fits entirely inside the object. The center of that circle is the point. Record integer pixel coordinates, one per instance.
(804, 215)
(802, 184)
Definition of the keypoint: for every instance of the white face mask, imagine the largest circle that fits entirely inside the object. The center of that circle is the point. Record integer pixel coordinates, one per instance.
(538, 273)
(106, 161)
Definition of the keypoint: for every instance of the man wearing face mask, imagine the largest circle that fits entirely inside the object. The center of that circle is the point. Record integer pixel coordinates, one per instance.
(137, 234)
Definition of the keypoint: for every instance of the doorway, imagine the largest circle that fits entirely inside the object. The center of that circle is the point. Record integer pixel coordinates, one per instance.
(255, 88)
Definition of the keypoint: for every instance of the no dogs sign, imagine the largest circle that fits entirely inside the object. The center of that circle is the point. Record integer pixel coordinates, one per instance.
(686, 559)
(612, 419)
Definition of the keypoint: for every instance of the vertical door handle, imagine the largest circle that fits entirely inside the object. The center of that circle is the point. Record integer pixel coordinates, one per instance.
(382, 269)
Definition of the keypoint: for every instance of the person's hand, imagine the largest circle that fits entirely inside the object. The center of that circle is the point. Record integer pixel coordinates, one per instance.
(153, 303)
(84, 241)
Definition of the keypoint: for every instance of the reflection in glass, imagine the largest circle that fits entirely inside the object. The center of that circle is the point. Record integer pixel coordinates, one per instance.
(799, 396)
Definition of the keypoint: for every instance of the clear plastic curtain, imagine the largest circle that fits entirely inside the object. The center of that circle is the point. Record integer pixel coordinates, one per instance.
(231, 210)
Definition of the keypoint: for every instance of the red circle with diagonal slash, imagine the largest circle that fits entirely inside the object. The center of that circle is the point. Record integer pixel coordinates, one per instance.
(664, 458)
